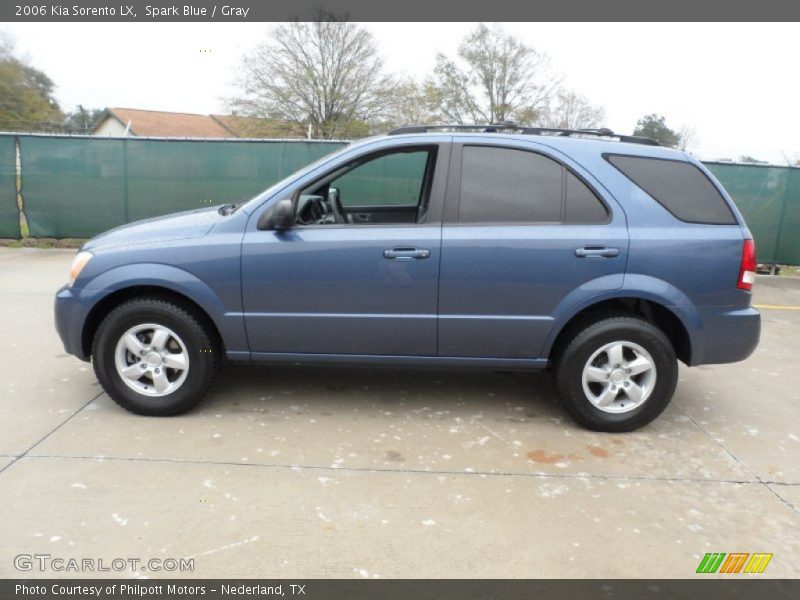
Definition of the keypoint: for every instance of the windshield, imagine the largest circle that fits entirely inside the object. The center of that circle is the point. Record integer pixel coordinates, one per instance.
(296, 175)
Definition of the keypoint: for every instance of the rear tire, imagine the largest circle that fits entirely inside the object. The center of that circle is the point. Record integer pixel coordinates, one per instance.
(154, 358)
(616, 374)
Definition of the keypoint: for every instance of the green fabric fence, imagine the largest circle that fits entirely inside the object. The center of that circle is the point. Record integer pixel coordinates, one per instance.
(9, 213)
(769, 199)
(80, 186)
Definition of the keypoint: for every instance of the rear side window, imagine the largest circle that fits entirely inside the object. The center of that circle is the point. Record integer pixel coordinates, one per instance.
(680, 187)
(502, 185)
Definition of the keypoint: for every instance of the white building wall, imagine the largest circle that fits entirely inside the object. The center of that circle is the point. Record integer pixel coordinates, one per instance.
(110, 127)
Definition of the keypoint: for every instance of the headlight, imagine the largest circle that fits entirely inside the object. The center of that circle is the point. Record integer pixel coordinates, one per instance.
(80, 260)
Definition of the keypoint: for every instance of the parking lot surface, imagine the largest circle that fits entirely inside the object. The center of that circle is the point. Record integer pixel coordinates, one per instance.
(305, 472)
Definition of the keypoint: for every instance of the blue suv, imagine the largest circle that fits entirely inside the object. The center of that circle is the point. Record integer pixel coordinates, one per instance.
(603, 258)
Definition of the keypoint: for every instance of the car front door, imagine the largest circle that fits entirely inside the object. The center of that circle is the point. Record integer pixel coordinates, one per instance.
(523, 230)
(358, 272)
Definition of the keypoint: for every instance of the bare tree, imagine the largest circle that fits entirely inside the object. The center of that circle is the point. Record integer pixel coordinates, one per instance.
(326, 73)
(688, 137)
(569, 110)
(408, 102)
(496, 78)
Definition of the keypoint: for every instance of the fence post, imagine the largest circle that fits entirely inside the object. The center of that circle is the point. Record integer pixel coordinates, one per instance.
(283, 160)
(23, 227)
(781, 222)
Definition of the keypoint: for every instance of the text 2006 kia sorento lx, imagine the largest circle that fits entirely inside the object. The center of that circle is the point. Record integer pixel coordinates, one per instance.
(603, 258)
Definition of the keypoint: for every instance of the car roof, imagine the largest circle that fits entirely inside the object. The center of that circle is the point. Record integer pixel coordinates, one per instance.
(569, 145)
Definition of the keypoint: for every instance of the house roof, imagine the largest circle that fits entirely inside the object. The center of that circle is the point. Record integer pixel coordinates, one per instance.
(167, 124)
(256, 127)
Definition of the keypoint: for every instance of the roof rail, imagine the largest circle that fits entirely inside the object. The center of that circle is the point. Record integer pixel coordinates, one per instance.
(602, 133)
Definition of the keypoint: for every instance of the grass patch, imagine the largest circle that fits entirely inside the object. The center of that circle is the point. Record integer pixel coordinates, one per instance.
(789, 271)
(42, 243)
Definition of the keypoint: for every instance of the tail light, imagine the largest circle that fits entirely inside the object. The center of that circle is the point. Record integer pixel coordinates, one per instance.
(747, 270)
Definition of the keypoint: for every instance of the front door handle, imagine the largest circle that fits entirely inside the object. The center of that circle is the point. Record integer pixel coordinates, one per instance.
(596, 251)
(406, 253)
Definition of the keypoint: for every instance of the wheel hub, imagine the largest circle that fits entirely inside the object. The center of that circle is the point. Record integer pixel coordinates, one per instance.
(152, 360)
(619, 377)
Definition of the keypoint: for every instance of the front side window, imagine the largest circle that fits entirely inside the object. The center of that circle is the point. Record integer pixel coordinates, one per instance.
(390, 187)
(503, 185)
(391, 180)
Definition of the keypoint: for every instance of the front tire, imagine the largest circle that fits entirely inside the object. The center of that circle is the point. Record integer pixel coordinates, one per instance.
(153, 357)
(616, 374)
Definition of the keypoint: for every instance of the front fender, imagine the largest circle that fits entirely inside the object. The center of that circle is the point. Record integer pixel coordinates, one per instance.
(229, 322)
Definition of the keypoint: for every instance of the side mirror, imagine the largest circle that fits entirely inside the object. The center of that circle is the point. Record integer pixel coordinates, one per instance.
(333, 194)
(280, 218)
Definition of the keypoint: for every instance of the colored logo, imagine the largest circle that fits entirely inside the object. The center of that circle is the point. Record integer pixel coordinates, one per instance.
(735, 562)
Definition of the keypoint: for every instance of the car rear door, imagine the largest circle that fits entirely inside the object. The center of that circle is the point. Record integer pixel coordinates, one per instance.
(527, 235)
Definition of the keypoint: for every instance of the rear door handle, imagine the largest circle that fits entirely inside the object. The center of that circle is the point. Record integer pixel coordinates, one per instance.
(406, 253)
(596, 251)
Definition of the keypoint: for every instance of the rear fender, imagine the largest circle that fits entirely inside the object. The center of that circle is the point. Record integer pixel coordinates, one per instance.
(641, 287)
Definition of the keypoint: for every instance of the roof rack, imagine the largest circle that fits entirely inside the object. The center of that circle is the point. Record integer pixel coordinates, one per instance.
(602, 133)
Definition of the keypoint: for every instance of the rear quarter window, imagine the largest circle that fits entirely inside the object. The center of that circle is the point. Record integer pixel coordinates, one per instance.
(680, 187)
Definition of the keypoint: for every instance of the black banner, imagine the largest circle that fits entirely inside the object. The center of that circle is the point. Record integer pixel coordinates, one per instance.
(405, 10)
(403, 589)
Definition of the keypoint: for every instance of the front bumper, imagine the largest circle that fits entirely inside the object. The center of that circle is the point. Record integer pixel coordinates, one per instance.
(72, 307)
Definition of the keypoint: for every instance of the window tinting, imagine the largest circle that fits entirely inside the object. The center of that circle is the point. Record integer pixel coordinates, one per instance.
(502, 185)
(680, 187)
(582, 206)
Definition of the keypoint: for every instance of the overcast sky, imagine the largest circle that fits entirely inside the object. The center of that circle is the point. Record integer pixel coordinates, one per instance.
(735, 84)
